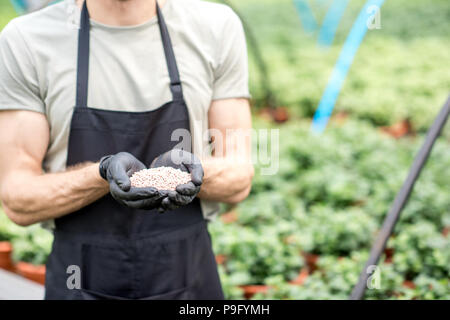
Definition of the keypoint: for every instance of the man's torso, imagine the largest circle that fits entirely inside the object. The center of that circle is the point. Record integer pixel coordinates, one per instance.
(128, 70)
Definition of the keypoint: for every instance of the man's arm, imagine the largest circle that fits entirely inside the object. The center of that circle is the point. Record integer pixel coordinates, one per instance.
(229, 172)
(28, 194)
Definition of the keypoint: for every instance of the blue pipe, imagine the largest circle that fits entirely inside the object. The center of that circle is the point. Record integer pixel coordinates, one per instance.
(348, 52)
(331, 22)
(306, 16)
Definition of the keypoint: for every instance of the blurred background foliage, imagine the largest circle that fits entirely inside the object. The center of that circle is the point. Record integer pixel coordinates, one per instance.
(397, 73)
(305, 233)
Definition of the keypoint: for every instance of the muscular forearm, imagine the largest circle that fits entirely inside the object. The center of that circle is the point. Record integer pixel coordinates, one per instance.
(226, 180)
(29, 198)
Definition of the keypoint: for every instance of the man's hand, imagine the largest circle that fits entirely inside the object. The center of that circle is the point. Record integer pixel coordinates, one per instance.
(184, 193)
(117, 170)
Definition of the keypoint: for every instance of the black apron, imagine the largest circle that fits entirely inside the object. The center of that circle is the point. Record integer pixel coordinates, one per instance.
(124, 253)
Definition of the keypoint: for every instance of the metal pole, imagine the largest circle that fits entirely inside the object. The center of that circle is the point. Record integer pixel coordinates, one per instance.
(401, 199)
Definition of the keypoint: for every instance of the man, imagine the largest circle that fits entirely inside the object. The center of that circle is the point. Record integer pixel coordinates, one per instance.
(140, 76)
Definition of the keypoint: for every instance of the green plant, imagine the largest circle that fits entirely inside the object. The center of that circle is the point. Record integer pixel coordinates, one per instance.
(396, 74)
(421, 248)
(6, 13)
(431, 288)
(251, 258)
(338, 232)
(330, 197)
(34, 246)
(8, 230)
(231, 291)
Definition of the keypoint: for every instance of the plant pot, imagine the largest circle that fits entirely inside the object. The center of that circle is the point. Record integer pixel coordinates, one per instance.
(229, 217)
(389, 253)
(5, 256)
(341, 117)
(311, 261)
(221, 258)
(409, 284)
(399, 129)
(280, 115)
(251, 290)
(301, 278)
(31, 272)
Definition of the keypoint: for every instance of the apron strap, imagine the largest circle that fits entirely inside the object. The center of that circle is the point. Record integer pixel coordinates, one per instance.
(83, 58)
(175, 83)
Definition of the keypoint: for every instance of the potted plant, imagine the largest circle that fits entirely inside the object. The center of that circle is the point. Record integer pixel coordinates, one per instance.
(251, 258)
(5, 254)
(229, 217)
(301, 278)
(31, 252)
(31, 271)
(251, 290)
(311, 260)
(220, 259)
(230, 289)
(6, 236)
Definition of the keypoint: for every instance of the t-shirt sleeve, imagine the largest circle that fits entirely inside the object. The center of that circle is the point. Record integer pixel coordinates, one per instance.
(231, 72)
(19, 85)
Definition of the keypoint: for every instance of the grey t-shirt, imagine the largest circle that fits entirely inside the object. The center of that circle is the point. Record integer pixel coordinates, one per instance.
(128, 71)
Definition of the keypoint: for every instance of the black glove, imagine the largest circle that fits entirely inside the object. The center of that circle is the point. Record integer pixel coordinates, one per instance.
(185, 193)
(117, 170)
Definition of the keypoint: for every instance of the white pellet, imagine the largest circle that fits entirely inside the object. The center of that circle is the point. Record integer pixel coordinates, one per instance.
(161, 178)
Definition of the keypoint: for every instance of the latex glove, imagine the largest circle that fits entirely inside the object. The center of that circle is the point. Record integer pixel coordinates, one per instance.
(117, 170)
(184, 193)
